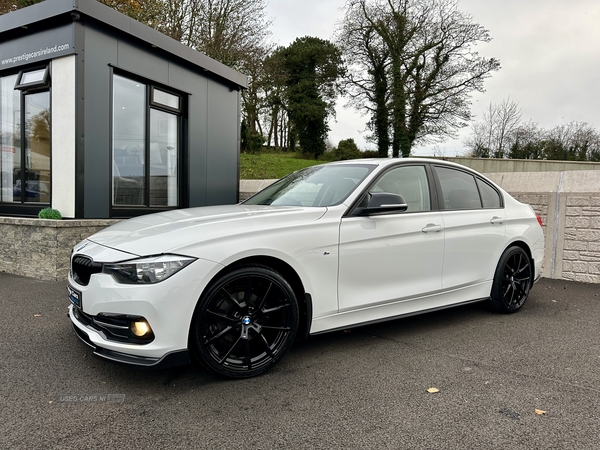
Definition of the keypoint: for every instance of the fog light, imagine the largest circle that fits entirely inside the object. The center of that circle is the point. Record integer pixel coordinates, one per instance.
(140, 328)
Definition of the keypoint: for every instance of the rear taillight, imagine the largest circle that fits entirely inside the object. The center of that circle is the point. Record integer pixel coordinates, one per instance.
(539, 219)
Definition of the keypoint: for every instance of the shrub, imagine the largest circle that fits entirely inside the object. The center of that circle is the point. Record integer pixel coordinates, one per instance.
(347, 149)
(251, 141)
(329, 156)
(49, 213)
(370, 154)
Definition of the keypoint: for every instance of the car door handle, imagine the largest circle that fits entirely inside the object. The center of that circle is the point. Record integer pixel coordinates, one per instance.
(496, 220)
(431, 228)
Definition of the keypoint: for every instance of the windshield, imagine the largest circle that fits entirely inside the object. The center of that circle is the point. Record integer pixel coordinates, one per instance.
(324, 185)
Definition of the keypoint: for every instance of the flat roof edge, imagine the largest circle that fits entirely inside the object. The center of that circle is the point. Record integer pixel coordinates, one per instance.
(35, 13)
(99, 12)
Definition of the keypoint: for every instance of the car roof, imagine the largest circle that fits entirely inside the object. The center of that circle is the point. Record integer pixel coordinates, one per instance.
(391, 161)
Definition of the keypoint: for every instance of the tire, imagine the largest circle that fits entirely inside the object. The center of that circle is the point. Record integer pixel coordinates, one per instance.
(245, 322)
(512, 281)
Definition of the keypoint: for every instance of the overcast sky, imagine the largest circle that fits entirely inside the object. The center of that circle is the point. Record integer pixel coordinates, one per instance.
(549, 51)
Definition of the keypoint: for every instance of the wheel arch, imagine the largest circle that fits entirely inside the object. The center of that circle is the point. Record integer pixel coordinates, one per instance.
(291, 276)
(523, 245)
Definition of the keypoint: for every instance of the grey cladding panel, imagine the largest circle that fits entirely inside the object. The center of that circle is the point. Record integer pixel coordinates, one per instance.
(141, 61)
(100, 51)
(223, 148)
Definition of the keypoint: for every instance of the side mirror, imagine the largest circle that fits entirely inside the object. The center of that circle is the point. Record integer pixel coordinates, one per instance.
(381, 203)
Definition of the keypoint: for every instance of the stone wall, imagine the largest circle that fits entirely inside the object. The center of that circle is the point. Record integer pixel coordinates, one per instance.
(39, 248)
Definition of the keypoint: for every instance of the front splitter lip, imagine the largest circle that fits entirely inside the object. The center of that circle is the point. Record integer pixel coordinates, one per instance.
(170, 359)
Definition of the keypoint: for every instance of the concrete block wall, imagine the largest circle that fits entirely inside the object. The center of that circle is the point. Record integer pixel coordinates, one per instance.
(569, 203)
(581, 250)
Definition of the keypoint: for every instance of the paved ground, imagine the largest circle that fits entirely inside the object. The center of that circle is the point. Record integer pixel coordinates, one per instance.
(364, 389)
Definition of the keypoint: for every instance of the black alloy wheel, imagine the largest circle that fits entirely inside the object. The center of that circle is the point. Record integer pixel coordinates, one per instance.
(245, 322)
(512, 280)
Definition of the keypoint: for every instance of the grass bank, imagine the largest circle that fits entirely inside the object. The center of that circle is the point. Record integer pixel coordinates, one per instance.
(264, 166)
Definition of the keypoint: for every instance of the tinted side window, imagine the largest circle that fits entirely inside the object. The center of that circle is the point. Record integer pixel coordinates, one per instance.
(410, 182)
(489, 195)
(459, 190)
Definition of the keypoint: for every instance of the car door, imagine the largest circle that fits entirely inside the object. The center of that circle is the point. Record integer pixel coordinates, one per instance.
(475, 233)
(392, 256)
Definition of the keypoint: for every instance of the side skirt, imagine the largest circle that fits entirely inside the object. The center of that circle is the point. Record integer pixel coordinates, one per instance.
(402, 308)
(399, 316)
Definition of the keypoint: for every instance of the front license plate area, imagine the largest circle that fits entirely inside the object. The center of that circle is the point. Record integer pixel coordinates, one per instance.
(75, 296)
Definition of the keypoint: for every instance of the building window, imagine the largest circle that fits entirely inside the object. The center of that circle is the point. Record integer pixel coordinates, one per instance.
(25, 176)
(32, 78)
(145, 144)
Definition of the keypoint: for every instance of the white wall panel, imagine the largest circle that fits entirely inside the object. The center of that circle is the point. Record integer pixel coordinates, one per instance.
(63, 135)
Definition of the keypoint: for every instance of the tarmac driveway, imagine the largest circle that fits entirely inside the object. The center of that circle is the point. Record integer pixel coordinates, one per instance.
(524, 381)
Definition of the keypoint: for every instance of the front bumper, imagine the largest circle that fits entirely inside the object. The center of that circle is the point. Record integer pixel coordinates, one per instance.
(168, 308)
(171, 359)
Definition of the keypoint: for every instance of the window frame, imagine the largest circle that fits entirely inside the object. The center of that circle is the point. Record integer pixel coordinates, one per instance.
(38, 84)
(125, 211)
(479, 180)
(431, 183)
(22, 207)
(167, 108)
(476, 177)
(401, 167)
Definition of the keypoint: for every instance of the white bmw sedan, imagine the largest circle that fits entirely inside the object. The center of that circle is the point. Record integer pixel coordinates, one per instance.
(326, 248)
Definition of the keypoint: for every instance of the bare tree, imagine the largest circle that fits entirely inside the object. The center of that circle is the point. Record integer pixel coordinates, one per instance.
(234, 32)
(149, 12)
(500, 134)
(230, 31)
(478, 142)
(495, 134)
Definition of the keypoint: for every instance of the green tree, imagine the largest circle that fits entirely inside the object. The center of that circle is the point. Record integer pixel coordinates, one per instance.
(347, 149)
(527, 142)
(310, 67)
(573, 141)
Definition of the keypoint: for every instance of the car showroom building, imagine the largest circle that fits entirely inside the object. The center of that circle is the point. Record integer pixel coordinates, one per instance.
(103, 117)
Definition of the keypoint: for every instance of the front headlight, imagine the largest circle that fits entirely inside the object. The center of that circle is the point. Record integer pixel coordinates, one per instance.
(147, 270)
